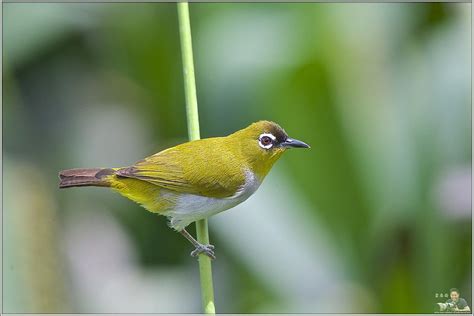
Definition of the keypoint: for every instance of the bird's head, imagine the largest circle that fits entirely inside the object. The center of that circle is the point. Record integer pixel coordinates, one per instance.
(262, 143)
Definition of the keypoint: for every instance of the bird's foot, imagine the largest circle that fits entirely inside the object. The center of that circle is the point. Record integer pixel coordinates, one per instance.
(208, 250)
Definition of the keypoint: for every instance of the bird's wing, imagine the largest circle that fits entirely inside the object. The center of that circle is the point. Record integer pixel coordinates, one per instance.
(197, 167)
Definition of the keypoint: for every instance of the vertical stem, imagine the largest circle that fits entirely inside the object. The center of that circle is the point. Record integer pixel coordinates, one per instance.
(193, 133)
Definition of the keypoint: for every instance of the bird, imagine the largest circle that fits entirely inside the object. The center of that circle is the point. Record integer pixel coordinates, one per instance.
(196, 179)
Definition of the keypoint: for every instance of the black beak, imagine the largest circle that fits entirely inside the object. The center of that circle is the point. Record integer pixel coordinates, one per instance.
(294, 143)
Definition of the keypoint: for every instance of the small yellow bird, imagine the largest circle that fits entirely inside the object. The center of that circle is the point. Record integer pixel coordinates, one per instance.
(196, 179)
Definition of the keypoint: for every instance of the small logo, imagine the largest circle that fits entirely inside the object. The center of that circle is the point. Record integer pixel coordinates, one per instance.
(451, 302)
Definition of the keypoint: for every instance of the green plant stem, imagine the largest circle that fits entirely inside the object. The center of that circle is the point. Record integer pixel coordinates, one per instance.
(202, 232)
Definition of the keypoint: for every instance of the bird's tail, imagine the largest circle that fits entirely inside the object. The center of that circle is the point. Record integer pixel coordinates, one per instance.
(96, 177)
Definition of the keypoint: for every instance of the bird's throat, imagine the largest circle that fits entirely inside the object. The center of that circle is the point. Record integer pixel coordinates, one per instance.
(261, 166)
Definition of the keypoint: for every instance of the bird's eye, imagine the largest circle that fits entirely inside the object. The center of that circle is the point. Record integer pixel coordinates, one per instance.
(266, 140)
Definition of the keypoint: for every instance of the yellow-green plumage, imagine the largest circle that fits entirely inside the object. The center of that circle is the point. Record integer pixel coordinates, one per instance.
(196, 179)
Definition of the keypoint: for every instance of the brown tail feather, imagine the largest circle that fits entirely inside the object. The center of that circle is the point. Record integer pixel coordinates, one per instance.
(84, 177)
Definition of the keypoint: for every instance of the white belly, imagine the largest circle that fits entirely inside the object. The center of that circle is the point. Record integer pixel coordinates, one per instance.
(190, 207)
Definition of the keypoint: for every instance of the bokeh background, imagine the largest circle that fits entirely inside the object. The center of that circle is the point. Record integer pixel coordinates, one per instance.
(376, 217)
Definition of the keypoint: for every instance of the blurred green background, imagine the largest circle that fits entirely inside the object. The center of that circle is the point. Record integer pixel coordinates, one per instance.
(376, 217)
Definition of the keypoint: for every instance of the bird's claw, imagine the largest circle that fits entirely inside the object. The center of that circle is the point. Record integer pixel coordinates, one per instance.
(208, 250)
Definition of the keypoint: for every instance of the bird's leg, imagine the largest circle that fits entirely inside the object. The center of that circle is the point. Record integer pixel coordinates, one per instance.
(208, 250)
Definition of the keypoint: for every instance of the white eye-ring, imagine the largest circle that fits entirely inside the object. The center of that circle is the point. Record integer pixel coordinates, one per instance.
(266, 140)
